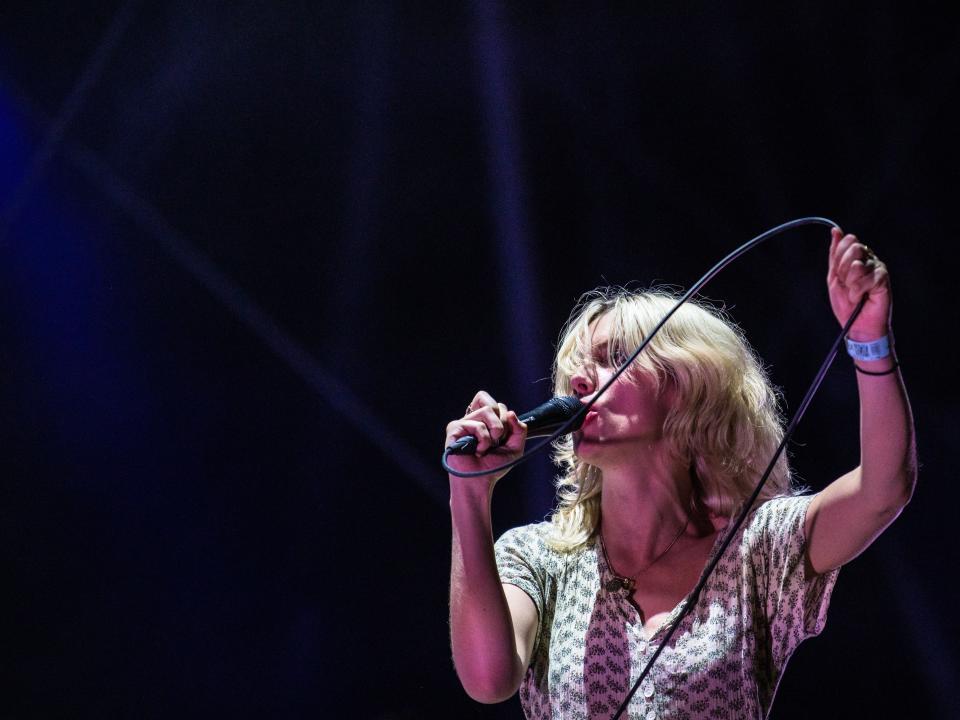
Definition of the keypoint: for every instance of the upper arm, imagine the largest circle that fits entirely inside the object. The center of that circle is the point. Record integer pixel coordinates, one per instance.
(840, 524)
(525, 618)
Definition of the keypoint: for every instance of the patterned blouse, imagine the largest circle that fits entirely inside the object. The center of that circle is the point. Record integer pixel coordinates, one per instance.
(724, 661)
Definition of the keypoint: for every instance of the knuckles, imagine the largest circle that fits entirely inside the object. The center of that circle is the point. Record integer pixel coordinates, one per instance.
(492, 423)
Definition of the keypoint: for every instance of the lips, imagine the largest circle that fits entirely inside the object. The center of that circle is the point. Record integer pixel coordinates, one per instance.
(589, 418)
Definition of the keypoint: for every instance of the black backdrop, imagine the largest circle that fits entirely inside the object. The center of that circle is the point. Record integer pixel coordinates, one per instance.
(254, 256)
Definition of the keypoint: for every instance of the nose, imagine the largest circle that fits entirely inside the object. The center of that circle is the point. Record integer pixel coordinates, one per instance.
(582, 382)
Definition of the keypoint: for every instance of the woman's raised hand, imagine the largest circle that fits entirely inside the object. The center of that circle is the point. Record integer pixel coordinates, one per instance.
(854, 271)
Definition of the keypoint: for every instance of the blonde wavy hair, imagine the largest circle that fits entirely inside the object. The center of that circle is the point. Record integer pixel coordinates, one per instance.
(726, 422)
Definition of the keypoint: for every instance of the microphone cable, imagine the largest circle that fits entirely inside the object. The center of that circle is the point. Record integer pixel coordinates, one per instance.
(713, 272)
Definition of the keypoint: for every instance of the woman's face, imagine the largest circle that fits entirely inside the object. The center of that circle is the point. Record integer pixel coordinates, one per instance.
(628, 417)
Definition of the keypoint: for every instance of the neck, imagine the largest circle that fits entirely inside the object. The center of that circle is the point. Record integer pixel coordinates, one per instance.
(643, 507)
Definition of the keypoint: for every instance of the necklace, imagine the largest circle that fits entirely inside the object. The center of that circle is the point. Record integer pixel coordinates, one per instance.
(620, 582)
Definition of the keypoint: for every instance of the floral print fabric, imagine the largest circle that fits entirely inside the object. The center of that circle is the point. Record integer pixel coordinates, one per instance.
(724, 661)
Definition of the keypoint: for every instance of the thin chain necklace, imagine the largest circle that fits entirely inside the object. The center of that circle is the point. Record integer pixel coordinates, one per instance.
(620, 582)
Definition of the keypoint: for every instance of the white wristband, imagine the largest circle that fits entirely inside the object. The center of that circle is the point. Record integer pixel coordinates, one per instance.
(876, 350)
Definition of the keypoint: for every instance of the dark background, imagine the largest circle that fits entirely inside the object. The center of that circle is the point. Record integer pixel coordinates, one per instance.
(254, 256)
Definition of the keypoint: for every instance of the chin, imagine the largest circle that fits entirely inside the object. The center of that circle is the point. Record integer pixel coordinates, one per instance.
(585, 448)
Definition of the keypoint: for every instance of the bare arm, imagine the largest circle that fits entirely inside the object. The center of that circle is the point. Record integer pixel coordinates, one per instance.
(492, 626)
(847, 516)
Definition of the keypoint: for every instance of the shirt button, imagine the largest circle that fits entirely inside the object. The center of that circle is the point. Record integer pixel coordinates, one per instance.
(648, 689)
(651, 714)
(643, 646)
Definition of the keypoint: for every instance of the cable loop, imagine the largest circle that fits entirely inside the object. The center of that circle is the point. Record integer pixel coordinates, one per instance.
(713, 272)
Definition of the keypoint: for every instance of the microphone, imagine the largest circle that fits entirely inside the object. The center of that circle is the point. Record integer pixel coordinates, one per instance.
(543, 420)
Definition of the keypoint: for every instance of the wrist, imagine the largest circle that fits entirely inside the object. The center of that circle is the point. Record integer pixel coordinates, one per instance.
(870, 334)
(868, 351)
(468, 493)
(872, 353)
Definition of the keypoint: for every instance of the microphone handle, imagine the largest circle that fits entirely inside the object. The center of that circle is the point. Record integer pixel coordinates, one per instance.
(467, 445)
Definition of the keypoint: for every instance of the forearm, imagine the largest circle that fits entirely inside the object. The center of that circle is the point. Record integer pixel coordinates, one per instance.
(887, 447)
(481, 629)
(846, 516)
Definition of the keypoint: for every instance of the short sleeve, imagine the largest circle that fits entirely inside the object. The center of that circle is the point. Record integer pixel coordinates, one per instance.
(521, 555)
(795, 601)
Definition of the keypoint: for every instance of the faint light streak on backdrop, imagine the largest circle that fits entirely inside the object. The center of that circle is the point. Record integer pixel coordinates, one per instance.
(85, 381)
(519, 274)
(71, 105)
(245, 308)
(334, 392)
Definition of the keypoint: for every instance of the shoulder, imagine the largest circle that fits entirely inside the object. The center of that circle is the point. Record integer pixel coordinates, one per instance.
(780, 513)
(776, 527)
(530, 538)
(531, 543)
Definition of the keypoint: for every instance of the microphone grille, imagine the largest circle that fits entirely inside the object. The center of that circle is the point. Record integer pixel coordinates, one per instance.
(570, 404)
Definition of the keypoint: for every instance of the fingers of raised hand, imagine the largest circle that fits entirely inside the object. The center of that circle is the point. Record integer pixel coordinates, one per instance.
(836, 235)
(839, 247)
(849, 250)
(850, 259)
(873, 278)
(857, 269)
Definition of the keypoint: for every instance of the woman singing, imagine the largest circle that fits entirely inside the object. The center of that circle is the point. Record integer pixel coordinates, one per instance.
(569, 611)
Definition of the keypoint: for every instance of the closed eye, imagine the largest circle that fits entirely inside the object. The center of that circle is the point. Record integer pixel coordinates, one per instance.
(599, 355)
